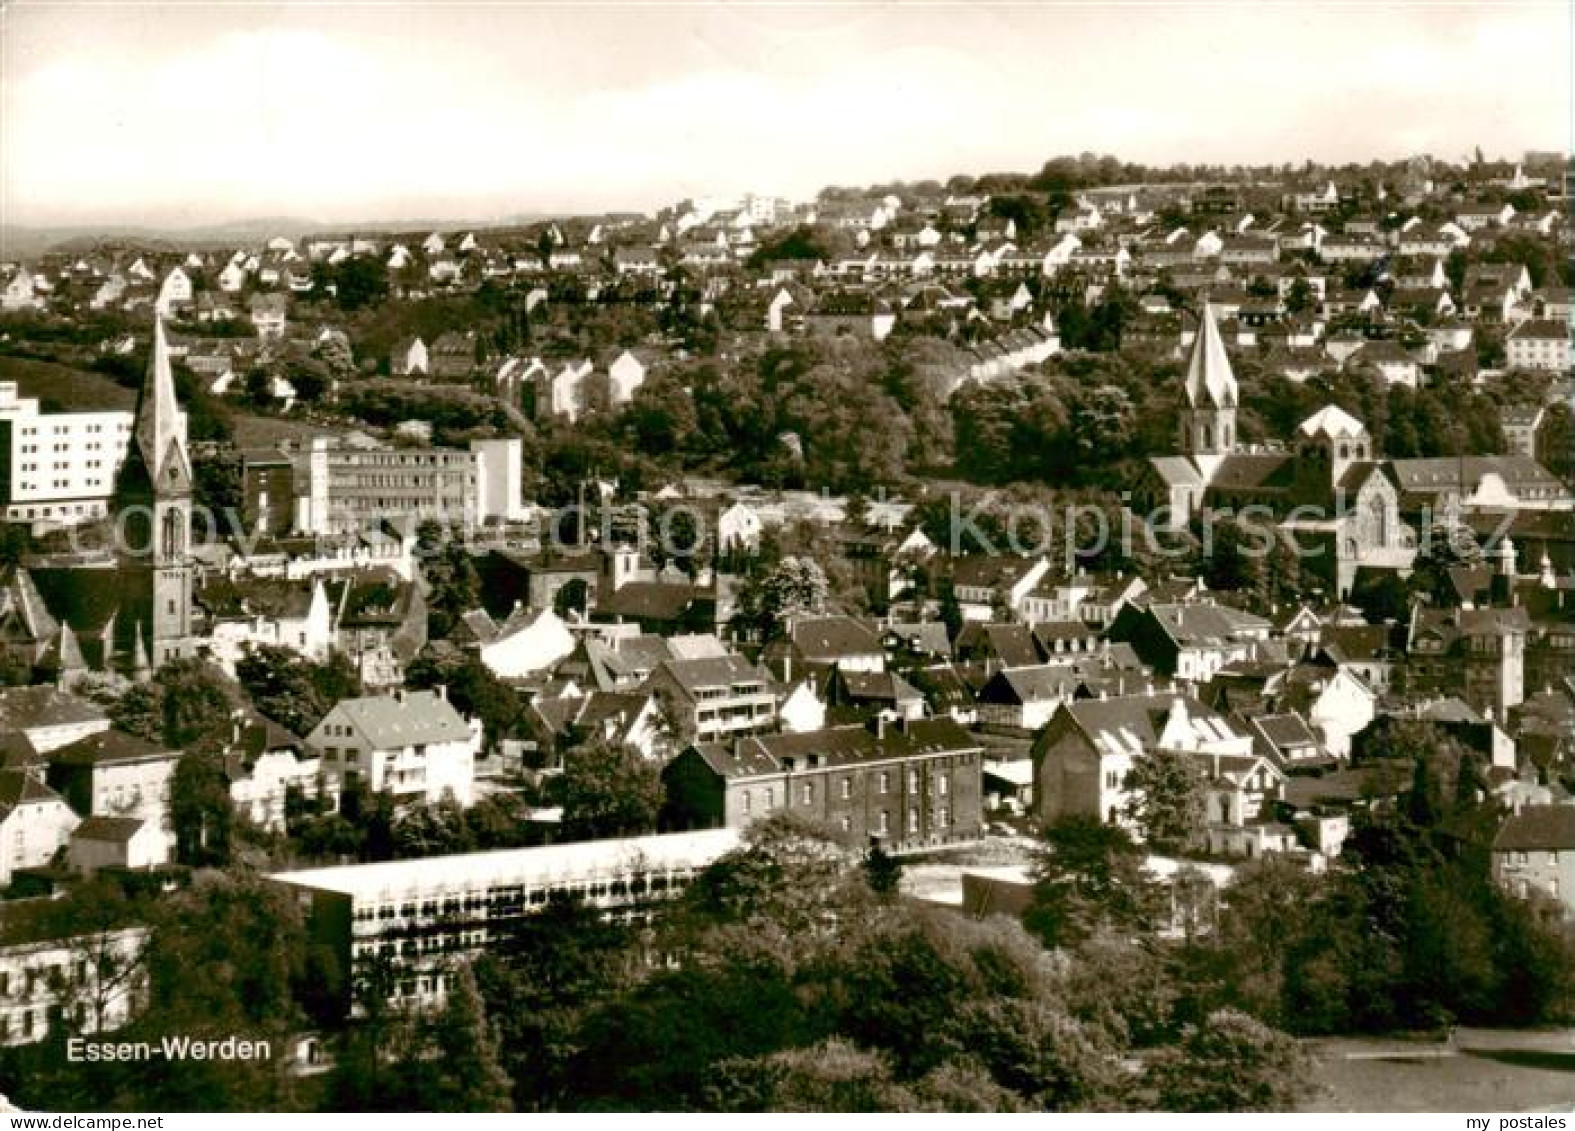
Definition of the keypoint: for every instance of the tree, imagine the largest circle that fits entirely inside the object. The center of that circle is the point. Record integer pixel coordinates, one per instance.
(186, 706)
(1167, 798)
(216, 485)
(1089, 878)
(792, 587)
(608, 790)
(435, 829)
(463, 1071)
(200, 810)
(292, 690)
(360, 281)
(834, 1076)
(454, 587)
(883, 871)
(1300, 298)
(1230, 1063)
(1448, 545)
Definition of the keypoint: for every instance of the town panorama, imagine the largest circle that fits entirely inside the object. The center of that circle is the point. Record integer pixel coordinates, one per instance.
(1095, 639)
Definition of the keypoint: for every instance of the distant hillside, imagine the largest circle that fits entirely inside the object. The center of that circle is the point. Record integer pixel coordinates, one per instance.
(21, 243)
(64, 389)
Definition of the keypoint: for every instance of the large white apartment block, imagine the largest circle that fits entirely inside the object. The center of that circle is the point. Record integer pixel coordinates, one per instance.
(59, 467)
(419, 916)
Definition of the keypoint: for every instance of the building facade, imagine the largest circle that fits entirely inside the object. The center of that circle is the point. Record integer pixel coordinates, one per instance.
(908, 786)
(59, 467)
(412, 919)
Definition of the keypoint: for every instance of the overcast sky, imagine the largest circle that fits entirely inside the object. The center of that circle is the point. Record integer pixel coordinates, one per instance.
(166, 113)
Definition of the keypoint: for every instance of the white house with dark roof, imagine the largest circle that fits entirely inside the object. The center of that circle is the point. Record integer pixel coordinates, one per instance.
(413, 744)
(1541, 344)
(35, 823)
(49, 717)
(115, 842)
(1084, 754)
(1534, 854)
(115, 774)
(717, 697)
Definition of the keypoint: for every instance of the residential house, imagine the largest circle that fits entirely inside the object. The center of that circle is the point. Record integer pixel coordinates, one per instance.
(413, 744)
(821, 643)
(1534, 853)
(1084, 754)
(409, 358)
(264, 764)
(268, 313)
(48, 717)
(115, 774)
(1539, 344)
(905, 785)
(716, 697)
(528, 643)
(115, 842)
(35, 823)
(1191, 642)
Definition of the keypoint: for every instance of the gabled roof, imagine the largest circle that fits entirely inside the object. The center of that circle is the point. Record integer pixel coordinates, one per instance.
(1332, 421)
(721, 671)
(1538, 827)
(110, 747)
(388, 721)
(826, 639)
(31, 708)
(18, 787)
(114, 830)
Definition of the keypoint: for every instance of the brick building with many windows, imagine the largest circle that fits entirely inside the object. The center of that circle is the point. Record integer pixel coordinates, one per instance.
(909, 785)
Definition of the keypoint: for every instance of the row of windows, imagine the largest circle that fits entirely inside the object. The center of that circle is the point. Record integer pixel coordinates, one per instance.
(1525, 858)
(845, 789)
(515, 897)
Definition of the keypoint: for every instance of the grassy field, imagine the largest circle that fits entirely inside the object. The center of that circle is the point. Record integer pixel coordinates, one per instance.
(267, 431)
(63, 388)
(1391, 1078)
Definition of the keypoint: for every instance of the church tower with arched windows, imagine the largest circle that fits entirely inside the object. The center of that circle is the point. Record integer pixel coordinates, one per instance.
(1208, 424)
(152, 522)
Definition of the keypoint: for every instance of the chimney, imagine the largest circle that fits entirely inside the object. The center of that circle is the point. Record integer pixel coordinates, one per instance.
(880, 726)
(442, 691)
(399, 696)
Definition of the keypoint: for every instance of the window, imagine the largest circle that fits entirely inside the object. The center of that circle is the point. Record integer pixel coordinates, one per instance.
(913, 820)
(748, 801)
(809, 793)
(942, 785)
(943, 816)
(885, 782)
(847, 788)
(883, 822)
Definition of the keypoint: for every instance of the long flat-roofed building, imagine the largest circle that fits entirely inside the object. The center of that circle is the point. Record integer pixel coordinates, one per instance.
(58, 467)
(416, 917)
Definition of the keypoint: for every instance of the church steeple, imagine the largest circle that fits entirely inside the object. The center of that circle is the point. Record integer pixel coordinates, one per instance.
(153, 507)
(1209, 422)
(156, 459)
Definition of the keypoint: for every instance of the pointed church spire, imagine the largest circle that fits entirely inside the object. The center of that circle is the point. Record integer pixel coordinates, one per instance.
(141, 669)
(1210, 382)
(159, 431)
